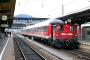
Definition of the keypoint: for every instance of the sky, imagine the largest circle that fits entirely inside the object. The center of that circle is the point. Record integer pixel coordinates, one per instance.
(49, 8)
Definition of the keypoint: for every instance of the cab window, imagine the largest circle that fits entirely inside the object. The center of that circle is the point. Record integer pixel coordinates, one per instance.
(73, 28)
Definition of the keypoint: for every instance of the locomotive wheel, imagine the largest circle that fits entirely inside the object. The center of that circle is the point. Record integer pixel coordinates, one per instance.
(50, 42)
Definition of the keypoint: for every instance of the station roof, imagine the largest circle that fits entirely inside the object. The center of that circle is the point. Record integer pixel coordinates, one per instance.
(7, 7)
(17, 18)
(79, 17)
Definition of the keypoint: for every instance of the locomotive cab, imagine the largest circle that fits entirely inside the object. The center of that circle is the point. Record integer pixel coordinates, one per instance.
(65, 34)
(65, 31)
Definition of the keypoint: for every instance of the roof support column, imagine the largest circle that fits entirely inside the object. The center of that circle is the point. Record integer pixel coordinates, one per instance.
(62, 9)
(85, 19)
(79, 32)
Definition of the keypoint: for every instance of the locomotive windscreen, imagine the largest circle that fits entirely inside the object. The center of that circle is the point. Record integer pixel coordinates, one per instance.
(73, 28)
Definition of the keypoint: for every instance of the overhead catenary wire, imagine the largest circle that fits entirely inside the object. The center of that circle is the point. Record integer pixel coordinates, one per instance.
(24, 6)
(70, 2)
(66, 4)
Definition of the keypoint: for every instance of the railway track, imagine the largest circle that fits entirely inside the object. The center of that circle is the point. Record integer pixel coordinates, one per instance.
(27, 52)
(79, 53)
(76, 53)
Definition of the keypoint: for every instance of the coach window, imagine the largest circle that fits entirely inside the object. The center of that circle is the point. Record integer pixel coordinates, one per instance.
(45, 29)
(31, 30)
(38, 29)
(27, 30)
(35, 30)
(60, 28)
(41, 29)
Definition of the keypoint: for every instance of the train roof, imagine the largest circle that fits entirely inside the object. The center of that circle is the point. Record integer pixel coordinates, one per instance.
(45, 23)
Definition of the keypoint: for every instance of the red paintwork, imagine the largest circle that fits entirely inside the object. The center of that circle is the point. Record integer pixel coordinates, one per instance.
(78, 30)
(66, 31)
(56, 34)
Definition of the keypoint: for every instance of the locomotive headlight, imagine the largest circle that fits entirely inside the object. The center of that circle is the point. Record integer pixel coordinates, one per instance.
(57, 35)
(50, 35)
(75, 35)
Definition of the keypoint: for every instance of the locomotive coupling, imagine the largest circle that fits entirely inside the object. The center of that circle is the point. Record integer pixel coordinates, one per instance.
(68, 42)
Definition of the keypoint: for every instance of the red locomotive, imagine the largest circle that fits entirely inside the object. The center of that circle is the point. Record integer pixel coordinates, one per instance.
(54, 32)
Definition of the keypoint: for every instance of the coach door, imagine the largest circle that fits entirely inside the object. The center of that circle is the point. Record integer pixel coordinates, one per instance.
(53, 31)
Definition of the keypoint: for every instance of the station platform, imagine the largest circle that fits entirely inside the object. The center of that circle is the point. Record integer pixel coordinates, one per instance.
(84, 41)
(6, 48)
(84, 44)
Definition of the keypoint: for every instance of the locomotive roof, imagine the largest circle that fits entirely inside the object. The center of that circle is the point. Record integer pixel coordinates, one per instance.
(45, 23)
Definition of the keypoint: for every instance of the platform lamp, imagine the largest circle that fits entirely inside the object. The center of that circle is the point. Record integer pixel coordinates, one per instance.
(4, 18)
(69, 20)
